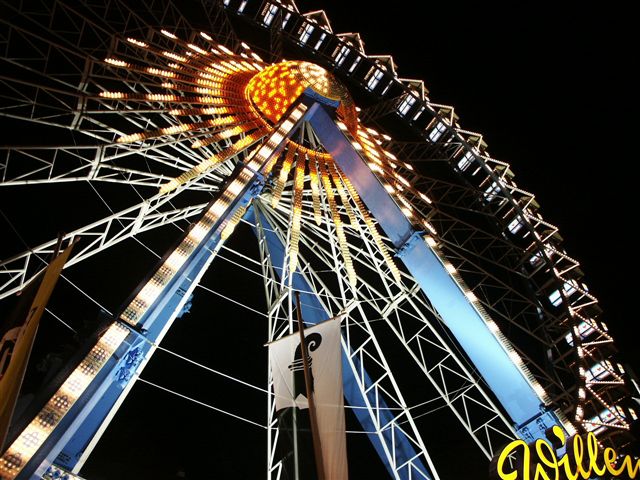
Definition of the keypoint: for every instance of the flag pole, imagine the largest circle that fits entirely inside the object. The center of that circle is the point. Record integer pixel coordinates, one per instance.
(317, 448)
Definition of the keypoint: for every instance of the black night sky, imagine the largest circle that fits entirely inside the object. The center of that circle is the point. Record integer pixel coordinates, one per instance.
(551, 90)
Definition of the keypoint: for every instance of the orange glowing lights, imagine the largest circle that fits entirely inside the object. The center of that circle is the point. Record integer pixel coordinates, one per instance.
(274, 89)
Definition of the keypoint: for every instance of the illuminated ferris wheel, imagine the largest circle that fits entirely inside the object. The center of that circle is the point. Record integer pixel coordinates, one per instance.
(248, 133)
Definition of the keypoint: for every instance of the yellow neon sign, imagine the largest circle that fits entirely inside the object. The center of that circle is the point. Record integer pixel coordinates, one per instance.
(583, 459)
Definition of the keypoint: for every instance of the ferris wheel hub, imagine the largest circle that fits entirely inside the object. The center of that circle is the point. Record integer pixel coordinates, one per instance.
(273, 90)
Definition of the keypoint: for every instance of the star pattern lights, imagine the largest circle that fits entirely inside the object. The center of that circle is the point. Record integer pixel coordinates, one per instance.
(278, 86)
(233, 98)
(194, 82)
(233, 102)
(340, 196)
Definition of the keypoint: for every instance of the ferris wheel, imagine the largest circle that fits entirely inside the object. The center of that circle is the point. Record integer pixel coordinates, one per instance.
(246, 144)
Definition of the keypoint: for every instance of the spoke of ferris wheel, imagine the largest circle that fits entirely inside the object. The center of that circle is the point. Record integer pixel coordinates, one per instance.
(358, 302)
(449, 196)
(442, 372)
(96, 168)
(99, 26)
(16, 271)
(393, 309)
(175, 158)
(171, 152)
(178, 153)
(384, 385)
(493, 281)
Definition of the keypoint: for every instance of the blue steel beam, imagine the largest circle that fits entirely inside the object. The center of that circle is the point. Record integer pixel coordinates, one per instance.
(73, 436)
(154, 325)
(68, 444)
(505, 379)
(314, 312)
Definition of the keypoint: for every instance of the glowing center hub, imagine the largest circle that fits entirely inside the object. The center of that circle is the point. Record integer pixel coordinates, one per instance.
(275, 88)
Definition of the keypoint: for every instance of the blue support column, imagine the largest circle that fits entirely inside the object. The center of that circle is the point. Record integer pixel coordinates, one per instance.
(313, 312)
(99, 393)
(140, 348)
(505, 379)
(67, 444)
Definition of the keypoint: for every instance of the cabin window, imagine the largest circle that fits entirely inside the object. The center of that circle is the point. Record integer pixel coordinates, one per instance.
(406, 104)
(354, 64)
(556, 297)
(491, 192)
(466, 161)
(373, 78)
(320, 40)
(307, 30)
(270, 13)
(437, 132)
(515, 225)
(342, 53)
(418, 113)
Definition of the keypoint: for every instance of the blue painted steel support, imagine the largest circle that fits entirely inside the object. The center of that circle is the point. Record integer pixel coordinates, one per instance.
(505, 379)
(97, 394)
(313, 312)
(66, 445)
(114, 385)
(154, 325)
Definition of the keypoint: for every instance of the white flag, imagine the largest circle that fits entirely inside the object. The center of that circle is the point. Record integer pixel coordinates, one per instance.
(323, 345)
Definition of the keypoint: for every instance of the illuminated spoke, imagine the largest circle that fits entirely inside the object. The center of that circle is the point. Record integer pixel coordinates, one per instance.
(337, 222)
(315, 187)
(342, 193)
(284, 174)
(298, 185)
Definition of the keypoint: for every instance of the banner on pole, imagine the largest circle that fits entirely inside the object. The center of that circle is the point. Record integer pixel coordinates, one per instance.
(324, 347)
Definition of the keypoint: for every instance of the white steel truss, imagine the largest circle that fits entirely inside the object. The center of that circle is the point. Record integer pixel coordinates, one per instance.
(17, 271)
(362, 357)
(411, 319)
